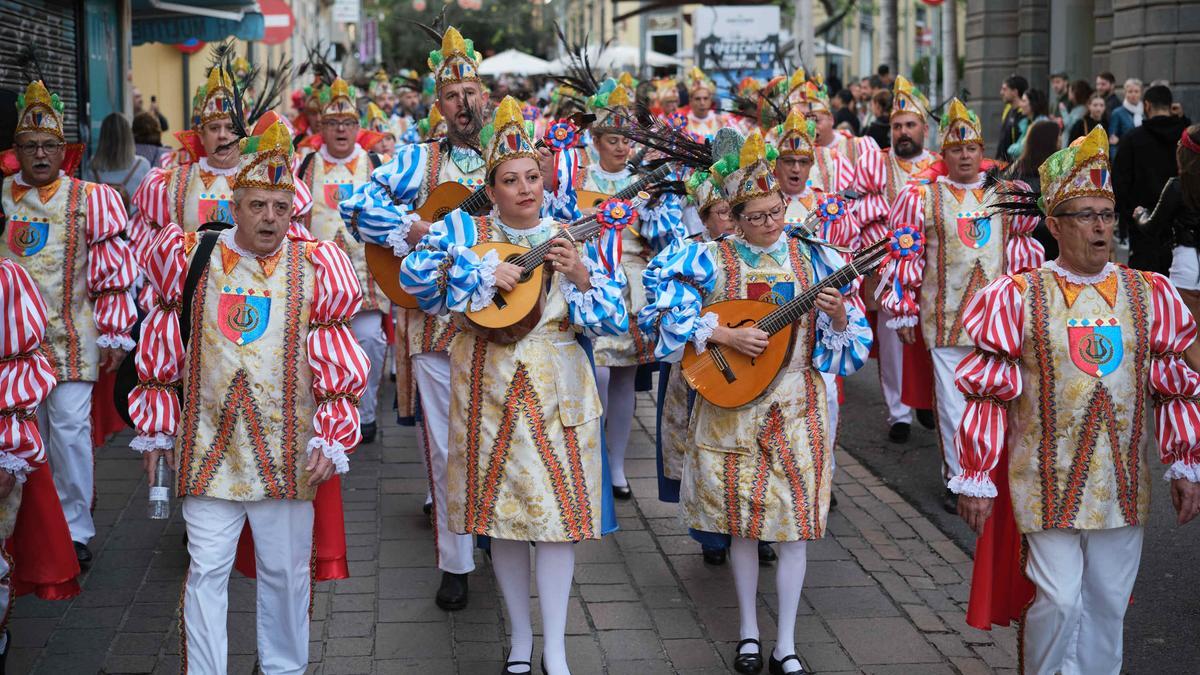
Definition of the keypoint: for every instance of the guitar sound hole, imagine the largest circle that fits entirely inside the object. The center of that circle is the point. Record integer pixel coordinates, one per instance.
(441, 213)
(524, 275)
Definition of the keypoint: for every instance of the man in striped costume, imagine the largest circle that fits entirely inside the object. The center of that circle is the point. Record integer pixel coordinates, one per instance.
(258, 408)
(1053, 444)
(67, 234)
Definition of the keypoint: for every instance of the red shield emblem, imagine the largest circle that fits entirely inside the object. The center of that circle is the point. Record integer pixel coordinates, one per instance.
(335, 193)
(1096, 346)
(974, 228)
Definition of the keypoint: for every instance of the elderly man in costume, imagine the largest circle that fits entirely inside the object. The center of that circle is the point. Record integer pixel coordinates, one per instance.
(199, 190)
(267, 329)
(338, 164)
(835, 154)
(963, 247)
(703, 118)
(66, 233)
(880, 177)
(408, 181)
(1070, 359)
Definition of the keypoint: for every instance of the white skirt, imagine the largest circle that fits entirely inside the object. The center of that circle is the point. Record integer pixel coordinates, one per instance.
(1185, 268)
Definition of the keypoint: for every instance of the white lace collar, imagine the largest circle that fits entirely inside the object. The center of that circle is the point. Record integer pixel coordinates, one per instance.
(964, 186)
(619, 175)
(515, 233)
(209, 168)
(330, 159)
(781, 242)
(226, 238)
(1074, 278)
(799, 195)
(21, 181)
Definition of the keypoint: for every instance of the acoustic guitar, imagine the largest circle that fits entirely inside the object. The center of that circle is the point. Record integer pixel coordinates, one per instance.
(382, 262)
(728, 378)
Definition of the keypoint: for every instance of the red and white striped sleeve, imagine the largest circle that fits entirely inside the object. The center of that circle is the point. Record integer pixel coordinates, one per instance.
(1022, 251)
(153, 211)
(111, 267)
(302, 203)
(1175, 386)
(154, 403)
(904, 278)
(990, 377)
(339, 365)
(872, 207)
(26, 377)
(843, 172)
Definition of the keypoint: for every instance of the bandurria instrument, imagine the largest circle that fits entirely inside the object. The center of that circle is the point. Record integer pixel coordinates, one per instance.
(512, 314)
(383, 264)
(728, 378)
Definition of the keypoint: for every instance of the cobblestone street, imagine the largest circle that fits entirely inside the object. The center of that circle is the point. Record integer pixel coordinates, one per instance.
(885, 590)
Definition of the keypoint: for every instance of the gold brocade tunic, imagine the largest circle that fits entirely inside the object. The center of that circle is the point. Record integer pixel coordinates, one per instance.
(46, 234)
(763, 471)
(198, 196)
(964, 251)
(1080, 431)
(330, 184)
(525, 431)
(245, 428)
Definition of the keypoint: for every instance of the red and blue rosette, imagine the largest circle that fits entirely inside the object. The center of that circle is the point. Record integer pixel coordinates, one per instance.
(831, 209)
(562, 135)
(616, 214)
(677, 120)
(906, 242)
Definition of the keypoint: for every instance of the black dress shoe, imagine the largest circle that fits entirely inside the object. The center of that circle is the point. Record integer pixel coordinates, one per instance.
(714, 556)
(750, 662)
(776, 667)
(368, 432)
(82, 554)
(766, 554)
(832, 500)
(949, 502)
(622, 492)
(452, 594)
(900, 432)
(427, 508)
(925, 417)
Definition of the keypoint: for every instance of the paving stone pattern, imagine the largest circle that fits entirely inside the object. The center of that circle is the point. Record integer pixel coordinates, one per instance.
(885, 590)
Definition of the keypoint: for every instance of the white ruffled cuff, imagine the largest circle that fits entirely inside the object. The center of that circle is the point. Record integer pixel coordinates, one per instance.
(705, 326)
(123, 342)
(977, 486)
(398, 238)
(1180, 469)
(835, 340)
(555, 201)
(486, 290)
(580, 299)
(898, 322)
(333, 451)
(143, 443)
(17, 466)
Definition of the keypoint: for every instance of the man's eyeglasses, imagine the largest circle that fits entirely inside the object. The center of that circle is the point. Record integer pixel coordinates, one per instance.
(339, 124)
(31, 149)
(760, 218)
(1089, 218)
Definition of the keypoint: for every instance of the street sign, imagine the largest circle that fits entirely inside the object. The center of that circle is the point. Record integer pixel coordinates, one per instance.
(277, 20)
(346, 11)
(733, 42)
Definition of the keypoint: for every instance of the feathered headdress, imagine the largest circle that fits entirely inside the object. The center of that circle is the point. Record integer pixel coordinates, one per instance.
(39, 110)
(960, 126)
(508, 136)
(797, 135)
(433, 126)
(809, 93)
(267, 159)
(337, 100)
(456, 61)
(611, 104)
(703, 186)
(666, 88)
(376, 120)
(696, 80)
(907, 99)
(747, 173)
(1078, 170)
(580, 78)
(214, 98)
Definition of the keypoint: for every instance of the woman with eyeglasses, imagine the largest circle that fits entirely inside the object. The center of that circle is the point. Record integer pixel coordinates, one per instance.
(524, 446)
(761, 472)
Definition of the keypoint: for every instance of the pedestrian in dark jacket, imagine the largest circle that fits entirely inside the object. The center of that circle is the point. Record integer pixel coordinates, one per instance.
(1011, 91)
(880, 127)
(1145, 160)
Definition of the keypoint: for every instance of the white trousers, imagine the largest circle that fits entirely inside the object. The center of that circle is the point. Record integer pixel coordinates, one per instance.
(1083, 578)
(283, 540)
(368, 331)
(891, 369)
(951, 404)
(455, 552)
(65, 420)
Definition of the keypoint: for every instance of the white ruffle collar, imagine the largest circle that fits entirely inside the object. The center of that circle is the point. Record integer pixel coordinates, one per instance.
(330, 159)
(210, 169)
(226, 238)
(964, 186)
(515, 233)
(619, 175)
(1074, 278)
(781, 242)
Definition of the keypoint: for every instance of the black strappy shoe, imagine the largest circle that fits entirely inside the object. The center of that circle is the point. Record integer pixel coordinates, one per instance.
(749, 662)
(776, 667)
(508, 664)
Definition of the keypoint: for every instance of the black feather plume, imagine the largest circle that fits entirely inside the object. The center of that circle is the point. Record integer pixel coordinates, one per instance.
(434, 30)
(580, 75)
(27, 61)
(1013, 197)
(673, 144)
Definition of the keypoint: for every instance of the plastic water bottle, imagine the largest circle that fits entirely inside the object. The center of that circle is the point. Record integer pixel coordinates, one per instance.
(159, 507)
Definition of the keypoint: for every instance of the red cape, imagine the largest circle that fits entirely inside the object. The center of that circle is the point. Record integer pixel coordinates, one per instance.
(43, 556)
(105, 419)
(329, 537)
(1000, 591)
(916, 388)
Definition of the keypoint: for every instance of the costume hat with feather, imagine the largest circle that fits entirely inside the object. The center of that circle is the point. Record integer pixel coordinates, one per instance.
(748, 173)
(337, 100)
(696, 80)
(1078, 170)
(508, 136)
(797, 136)
(456, 61)
(611, 104)
(960, 126)
(39, 110)
(907, 99)
(267, 160)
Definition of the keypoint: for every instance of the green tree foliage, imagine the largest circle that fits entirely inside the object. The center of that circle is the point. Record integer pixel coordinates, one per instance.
(499, 25)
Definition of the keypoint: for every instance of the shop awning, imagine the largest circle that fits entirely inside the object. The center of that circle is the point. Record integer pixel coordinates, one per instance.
(204, 20)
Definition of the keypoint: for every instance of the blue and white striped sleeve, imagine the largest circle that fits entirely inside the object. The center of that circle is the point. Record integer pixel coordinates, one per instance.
(677, 282)
(663, 224)
(442, 272)
(562, 204)
(601, 309)
(379, 211)
(838, 352)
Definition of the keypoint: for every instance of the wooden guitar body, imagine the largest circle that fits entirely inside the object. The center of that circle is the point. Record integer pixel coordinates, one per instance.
(512, 314)
(728, 378)
(383, 264)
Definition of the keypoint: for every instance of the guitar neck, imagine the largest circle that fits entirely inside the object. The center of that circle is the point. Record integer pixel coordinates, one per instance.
(802, 304)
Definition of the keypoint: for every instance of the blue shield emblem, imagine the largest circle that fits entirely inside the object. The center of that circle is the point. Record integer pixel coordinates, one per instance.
(1095, 345)
(243, 314)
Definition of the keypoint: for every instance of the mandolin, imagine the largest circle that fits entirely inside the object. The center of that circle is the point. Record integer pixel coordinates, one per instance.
(728, 378)
(382, 262)
(512, 314)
